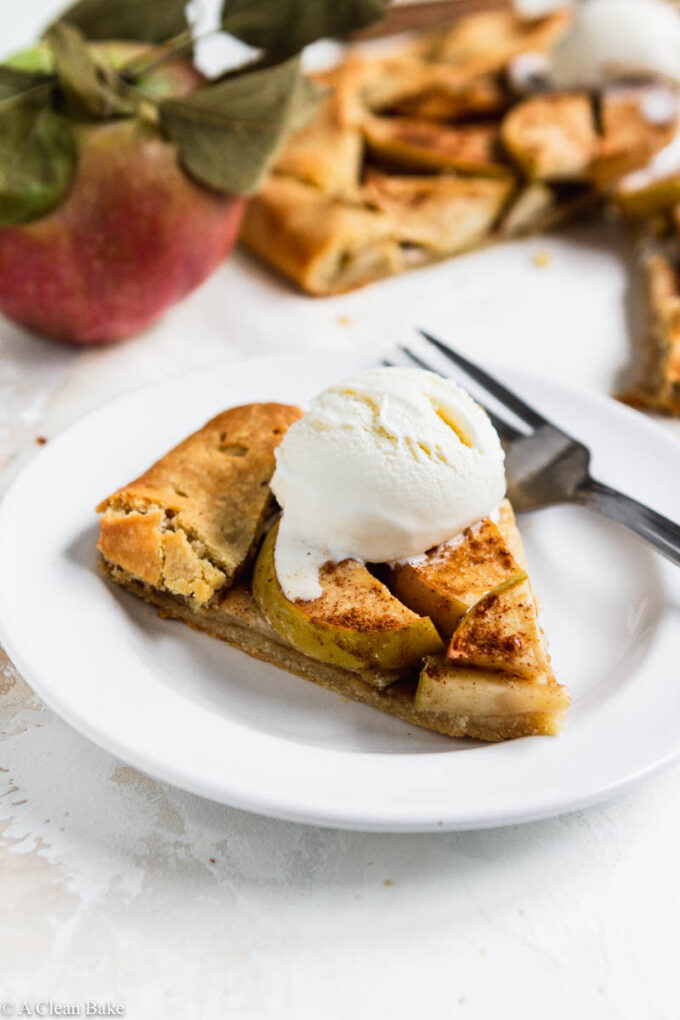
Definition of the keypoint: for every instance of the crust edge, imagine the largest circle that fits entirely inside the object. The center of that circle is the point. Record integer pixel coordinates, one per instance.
(396, 700)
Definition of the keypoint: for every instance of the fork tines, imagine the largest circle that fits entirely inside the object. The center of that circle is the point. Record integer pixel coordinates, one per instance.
(493, 386)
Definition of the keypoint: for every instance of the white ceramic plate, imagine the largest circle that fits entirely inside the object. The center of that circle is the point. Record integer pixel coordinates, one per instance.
(193, 711)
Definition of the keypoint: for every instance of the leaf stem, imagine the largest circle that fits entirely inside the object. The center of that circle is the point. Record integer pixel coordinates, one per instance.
(33, 92)
(164, 52)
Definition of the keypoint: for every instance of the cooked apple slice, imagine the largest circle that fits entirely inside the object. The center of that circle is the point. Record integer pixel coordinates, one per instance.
(629, 136)
(356, 622)
(405, 85)
(450, 579)
(501, 633)
(530, 211)
(453, 101)
(552, 137)
(491, 703)
(425, 145)
(441, 213)
(488, 40)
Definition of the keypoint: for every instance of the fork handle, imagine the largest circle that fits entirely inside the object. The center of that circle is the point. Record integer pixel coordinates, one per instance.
(656, 529)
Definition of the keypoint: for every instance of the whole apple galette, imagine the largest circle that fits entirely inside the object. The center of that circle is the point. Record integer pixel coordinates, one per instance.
(499, 127)
(365, 545)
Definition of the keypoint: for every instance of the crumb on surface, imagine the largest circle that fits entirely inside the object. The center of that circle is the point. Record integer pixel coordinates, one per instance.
(41, 440)
(388, 881)
(345, 320)
(541, 258)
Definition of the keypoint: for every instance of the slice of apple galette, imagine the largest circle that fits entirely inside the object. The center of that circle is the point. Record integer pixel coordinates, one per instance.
(448, 639)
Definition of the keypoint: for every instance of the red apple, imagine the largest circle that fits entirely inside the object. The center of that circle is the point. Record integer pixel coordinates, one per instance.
(133, 235)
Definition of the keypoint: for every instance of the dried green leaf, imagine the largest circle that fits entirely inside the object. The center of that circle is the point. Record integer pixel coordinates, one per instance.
(150, 21)
(14, 82)
(87, 88)
(286, 26)
(228, 132)
(36, 59)
(37, 160)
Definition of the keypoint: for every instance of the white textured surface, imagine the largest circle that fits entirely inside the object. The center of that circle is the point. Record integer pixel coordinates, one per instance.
(107, 881)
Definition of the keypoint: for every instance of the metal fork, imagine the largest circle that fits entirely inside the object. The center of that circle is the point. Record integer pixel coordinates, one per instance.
(545, 465)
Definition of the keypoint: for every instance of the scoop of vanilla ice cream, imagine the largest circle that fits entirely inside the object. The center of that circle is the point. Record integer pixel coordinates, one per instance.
(611, 39)
(382, 467)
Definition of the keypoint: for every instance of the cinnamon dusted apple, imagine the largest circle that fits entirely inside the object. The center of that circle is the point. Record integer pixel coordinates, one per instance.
(552, 137)
(355, 622)
(449, 579)
(424, 145)
(500, 632)
(441, 214)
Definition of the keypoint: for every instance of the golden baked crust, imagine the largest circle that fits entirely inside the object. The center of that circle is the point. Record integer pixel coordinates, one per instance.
(326, 245)
(328, 153)
(658, 385)
(191, 521)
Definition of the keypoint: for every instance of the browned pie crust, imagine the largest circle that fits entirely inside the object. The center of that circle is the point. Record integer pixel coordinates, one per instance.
(327, 244)
(657, 387)
(191, 522)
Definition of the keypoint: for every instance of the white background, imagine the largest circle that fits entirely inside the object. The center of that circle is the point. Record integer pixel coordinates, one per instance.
(113, 886)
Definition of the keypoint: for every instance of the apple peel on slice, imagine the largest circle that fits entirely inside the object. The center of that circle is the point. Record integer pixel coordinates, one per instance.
(501, 633)
(451, 578)
(355, 623)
